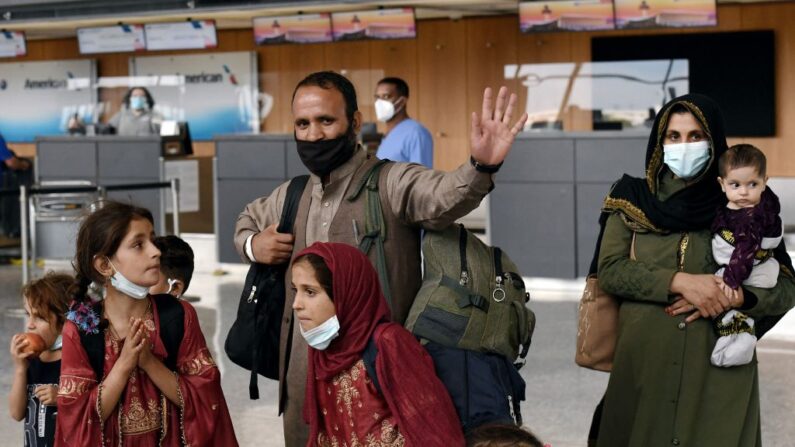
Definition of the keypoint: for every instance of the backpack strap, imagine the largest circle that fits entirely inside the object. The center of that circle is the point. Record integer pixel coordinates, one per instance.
(94, 345)
(292, 200)
(369, 355)
(171, 316)
(462, 254)
(375, 228)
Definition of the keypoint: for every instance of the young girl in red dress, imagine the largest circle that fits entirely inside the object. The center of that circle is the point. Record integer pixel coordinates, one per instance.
(127, 395)
(340, 308)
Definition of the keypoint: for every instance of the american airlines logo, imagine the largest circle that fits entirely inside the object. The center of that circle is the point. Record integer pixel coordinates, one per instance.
(41, 84)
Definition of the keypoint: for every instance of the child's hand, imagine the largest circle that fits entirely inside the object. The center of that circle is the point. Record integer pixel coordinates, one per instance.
(47, 394)
(146, 358)
(136, 338)
(18, 343)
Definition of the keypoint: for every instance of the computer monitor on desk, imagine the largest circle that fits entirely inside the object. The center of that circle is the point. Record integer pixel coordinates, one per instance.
(176, 138)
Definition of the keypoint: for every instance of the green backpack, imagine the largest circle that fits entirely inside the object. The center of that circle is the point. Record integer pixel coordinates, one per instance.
(471, 297)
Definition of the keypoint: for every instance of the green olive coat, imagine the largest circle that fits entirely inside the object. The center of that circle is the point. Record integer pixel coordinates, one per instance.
(663, 390)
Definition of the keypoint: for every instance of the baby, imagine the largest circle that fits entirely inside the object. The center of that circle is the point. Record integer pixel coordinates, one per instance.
(746, 232)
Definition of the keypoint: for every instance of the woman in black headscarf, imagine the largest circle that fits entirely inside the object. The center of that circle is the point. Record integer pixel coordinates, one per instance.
(663, 390)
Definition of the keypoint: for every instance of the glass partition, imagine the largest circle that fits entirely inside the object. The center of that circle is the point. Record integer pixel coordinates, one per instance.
(598, 95)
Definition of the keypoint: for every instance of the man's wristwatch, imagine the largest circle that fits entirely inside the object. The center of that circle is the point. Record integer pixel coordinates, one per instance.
(488, 169)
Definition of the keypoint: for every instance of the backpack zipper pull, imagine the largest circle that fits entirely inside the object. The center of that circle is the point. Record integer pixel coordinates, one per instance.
(499, 293)
(251, 295)
(464, 278)
(510, 407)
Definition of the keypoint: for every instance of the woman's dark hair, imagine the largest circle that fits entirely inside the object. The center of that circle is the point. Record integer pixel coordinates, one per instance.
(322, 272)
(49, 296)
(328, 80)
(502, 435)
(101, 234)
(149, 99)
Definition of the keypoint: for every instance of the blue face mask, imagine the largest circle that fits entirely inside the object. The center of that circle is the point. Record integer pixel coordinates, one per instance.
(686, 160)
(138, 102)
(126, 286)
(321, 336)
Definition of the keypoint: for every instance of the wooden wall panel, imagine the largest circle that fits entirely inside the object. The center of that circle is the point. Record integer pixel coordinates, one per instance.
(270, 85)
(442, 78)
(352, 60)
(491, 44)
(296, 62)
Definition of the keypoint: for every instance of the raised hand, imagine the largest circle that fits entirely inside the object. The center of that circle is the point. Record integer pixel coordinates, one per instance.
(18, 344)
(492, 133)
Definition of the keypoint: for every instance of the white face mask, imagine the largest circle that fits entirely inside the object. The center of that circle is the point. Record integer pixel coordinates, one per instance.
(57, 344)
(126, 286)
(171, 283)
(686, 160)
(321, 336)
(384, 110)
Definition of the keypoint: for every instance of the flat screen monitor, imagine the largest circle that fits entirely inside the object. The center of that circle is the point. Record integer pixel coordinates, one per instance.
(640, 14)
(396, 23)
(567, 15)
(188, 35)
(304, 28)
(736, 69)
(12, 44)
(111, 39)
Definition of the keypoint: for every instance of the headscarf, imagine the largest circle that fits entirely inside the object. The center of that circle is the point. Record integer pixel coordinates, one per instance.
(694, 206)
(360, 307)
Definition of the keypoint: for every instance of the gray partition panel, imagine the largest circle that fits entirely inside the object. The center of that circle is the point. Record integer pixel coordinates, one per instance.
(129, 159)
(251, 159)
(295, 166)
(589, 204)
(534, 224)
(146, 198)
(606, 160)
(542, 160)
(234, 195)
(74, 160)
(56, 239)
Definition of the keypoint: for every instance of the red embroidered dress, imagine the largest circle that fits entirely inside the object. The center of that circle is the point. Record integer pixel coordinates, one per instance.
(354, 413)
(144, 417)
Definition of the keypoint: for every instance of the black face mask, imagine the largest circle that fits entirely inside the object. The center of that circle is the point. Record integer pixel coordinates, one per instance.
(322, 157)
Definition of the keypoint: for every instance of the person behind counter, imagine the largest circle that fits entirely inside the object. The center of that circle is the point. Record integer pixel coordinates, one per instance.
(136, 117)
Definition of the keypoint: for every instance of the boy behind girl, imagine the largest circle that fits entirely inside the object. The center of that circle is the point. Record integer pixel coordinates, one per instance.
(176, 266)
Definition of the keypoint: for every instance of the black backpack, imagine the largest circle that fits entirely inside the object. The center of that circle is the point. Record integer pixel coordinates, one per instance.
(171, 317)
(253, 339)
(485, 388)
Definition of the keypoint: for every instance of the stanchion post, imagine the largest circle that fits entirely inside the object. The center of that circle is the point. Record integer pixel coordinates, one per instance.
(175, 204)
(23, 217)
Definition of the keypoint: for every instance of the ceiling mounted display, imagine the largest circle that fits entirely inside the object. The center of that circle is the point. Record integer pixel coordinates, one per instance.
(189, 35)
(637, 14)
(12, 44)
(398, 23)
(567, 15)
(304, 28)
(111, 39)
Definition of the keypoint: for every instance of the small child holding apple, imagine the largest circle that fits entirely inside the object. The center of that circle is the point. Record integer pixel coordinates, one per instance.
(36, 354)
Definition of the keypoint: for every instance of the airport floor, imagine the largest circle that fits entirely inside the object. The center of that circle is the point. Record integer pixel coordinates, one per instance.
(560, 395)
